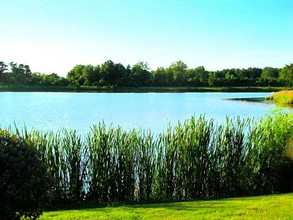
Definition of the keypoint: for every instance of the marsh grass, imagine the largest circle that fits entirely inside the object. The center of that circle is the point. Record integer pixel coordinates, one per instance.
(284, 97)
(197, 159)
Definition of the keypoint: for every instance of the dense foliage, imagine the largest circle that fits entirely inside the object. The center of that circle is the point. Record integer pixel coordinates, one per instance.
(20, 74)
(194, 160)
(23, 179)
(177, 74)
(139, 75)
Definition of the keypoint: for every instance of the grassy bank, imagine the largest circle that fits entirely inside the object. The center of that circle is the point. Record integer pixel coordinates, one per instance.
(262, 207)
(199, 89)
(284, 97)
(20, 88)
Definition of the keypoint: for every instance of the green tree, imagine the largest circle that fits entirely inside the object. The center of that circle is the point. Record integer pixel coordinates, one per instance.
(159, 77)
(286, 75)
(254, 73)
(19, 74)
(269, 76)
(169, 77)
(140, 74)
(127, 79)
(54, 80)
(111, 73)
(230, 78)
(213, 80)
(191, 79)
(178, 69)
(90, 75)
(197, 76)
(3, 69)
(75, 76)
(201, 75)
(269, 72)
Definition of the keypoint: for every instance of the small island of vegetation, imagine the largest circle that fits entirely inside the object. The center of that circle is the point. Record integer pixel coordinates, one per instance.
(282, 97)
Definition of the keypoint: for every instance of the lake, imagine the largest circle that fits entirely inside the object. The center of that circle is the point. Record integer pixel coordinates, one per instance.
(52, 111)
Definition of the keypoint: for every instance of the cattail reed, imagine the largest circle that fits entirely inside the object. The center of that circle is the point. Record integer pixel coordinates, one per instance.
(196, 159)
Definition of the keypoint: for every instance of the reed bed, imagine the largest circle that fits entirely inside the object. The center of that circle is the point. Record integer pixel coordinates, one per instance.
(284, 97)
(197, 159)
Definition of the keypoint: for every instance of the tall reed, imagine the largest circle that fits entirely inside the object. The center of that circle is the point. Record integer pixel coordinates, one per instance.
(196, 159)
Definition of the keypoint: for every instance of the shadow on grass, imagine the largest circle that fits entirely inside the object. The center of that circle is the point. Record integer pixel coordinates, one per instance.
(221, 203)
(174, 204)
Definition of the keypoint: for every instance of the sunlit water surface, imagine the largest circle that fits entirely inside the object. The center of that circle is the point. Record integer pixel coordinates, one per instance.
(52, 111)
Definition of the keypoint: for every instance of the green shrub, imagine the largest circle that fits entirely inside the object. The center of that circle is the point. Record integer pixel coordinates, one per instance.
(23, 179)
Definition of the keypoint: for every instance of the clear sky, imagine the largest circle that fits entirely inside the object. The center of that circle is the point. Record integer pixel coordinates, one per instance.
(55, 35)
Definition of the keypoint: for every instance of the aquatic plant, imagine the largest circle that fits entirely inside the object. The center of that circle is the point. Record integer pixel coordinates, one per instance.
(196, 159)
(284, 97)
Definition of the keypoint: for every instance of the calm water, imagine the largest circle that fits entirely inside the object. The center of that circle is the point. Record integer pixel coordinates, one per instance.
(52, 111)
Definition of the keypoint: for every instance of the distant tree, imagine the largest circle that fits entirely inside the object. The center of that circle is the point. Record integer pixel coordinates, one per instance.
(241, 80)
(111, 73)
(141, 74)
(75, 76)
(95, 78)
(122, 72)
(192, 79)
(269, 72)
(286, 75)
(54, 80)
(3, 69)
(269, 76)
(201, 75)
(197, 76)
(90, 76)
(19, 74)
(127, 79)
(169, 77)
(159, 77)
(213, 79)
(254, 73)
(178, 69)
(230, 78)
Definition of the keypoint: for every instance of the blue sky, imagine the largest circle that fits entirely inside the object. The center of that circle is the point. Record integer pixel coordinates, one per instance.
(55, 35)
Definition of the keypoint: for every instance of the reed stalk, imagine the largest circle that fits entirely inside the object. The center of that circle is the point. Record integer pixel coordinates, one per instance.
(196, 159)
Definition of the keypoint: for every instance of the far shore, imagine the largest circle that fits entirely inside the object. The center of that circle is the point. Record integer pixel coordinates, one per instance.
(20, 88)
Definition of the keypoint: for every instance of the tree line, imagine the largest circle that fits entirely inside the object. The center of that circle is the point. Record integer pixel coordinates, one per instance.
(21, 74)
(177, 74)
(140, 75)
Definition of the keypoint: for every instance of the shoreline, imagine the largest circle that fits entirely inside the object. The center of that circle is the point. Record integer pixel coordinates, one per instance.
(20, 88)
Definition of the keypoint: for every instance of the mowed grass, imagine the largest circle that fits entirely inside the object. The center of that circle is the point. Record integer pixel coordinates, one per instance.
(261, 207)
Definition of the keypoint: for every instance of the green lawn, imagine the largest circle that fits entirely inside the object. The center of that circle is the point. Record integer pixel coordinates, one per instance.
(262, 207)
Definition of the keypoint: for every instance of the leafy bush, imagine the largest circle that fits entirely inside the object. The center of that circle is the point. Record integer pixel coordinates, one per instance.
(23, 179)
